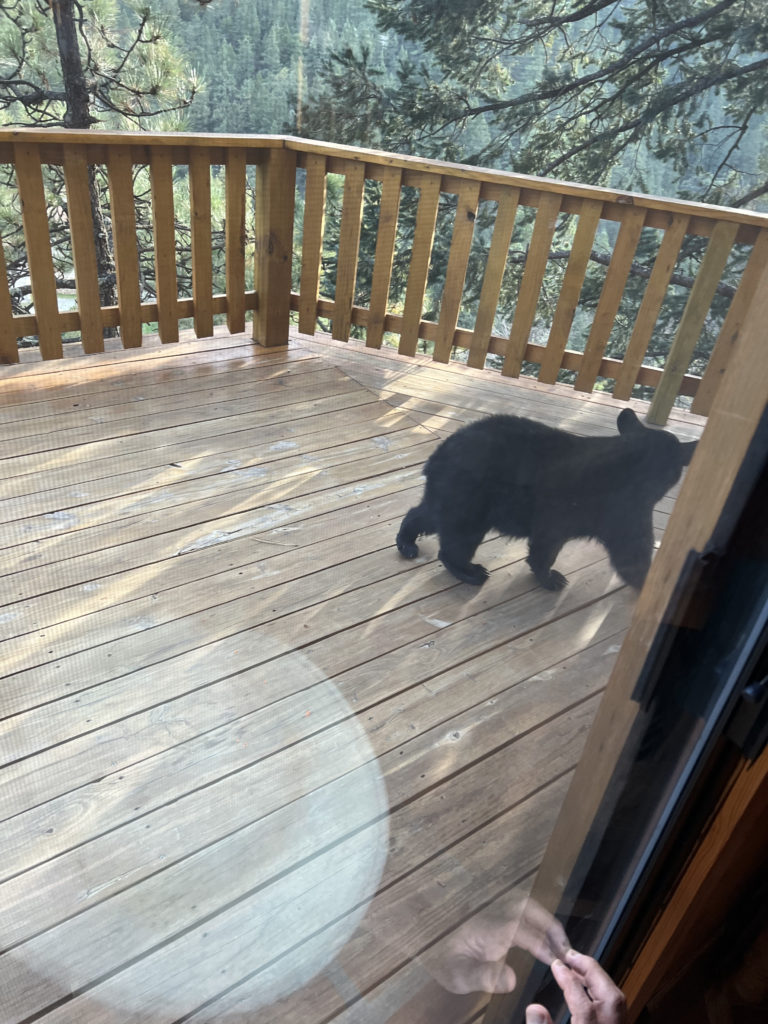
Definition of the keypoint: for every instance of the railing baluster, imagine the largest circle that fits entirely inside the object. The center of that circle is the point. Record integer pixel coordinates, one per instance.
(312, 242)
(349, 246)
(423, 238)
(272, 300)
(456, 271)
(610, 297)
(9, 344)
(389, 208)
(727, 341)
(83, 248)
(494, 273)
(573, 282)
(29, 176)
(166, 282)
(275, 199)
(235, 239)
(689, 328)
(648, 314)
(530, 287)
(120, 174)
(202, 265)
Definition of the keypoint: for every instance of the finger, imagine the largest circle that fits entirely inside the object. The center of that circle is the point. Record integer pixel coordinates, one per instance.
(463, 975)
(535, 1014)
(557, 939)
(601, 986)
(541, 933)
(536, 943)
(579, 1003)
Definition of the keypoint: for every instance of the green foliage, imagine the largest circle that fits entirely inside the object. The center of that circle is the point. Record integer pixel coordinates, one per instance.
(259, 60)
(588, 91)
(132, 70)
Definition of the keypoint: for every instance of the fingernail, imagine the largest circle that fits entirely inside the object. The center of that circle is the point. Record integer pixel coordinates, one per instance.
(533, 1016)
(557, 963)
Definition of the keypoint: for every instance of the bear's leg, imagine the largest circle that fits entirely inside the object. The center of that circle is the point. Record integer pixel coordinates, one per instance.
(457, 546)
(414, 524)
(631, 557)
(542, 552)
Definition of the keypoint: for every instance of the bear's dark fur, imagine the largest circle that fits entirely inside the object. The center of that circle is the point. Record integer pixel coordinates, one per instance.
(525, 479)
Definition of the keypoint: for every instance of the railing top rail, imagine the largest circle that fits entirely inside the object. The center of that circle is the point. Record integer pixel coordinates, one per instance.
(377, 157)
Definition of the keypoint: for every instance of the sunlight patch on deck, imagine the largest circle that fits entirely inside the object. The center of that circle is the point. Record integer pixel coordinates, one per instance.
(281, 893)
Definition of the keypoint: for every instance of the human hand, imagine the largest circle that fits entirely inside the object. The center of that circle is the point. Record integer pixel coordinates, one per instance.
(472, 959)
(590, 994)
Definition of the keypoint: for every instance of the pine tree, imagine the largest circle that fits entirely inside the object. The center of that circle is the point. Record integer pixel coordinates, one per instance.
(75, 66)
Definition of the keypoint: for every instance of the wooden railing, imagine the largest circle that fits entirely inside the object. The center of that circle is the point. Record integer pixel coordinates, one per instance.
(533, 244)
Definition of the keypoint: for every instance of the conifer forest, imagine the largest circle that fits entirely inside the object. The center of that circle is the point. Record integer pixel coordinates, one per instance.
(663, 99)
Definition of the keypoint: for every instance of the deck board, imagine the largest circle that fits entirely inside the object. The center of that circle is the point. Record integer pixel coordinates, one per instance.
(226, 700)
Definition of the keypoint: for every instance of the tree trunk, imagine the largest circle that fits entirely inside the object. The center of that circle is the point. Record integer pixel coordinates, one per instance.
(78, 115)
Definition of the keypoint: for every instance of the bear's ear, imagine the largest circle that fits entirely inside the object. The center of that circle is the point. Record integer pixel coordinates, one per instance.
(687, 448)
(628, 421)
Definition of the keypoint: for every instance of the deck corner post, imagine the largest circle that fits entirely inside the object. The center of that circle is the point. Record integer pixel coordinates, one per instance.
(275, 196)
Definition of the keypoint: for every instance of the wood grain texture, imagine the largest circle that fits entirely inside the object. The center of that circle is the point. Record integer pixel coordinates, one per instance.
(275, 198)
(647, 315)
(692, 321)
(570, 291)
(421, 252)
(725, 350)
(530, 286)
(312, 243)
(202, 259)
(81, 226)
(198, 584)
(503, 227)
(347, 256)
(610, 298)
(34, 214)
(164, 236)
(9, 350)
(235, 233)
(120, 173)
(458, 258)
(389, 206)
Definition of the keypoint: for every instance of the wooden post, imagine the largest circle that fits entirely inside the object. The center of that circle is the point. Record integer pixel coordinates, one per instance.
(349, 246)
(383, 261)
(34, 215)
(495, 266)
(530, 286)
(610, 297)
(467, 202)
(725, 347)
(275, 194)
(164, 232)
(695, 313)
(120, 174)
(9, 345)
(235, 240)
(650, 307)
(312, 242)
(570, 291)
(83, 248)
(421, 251)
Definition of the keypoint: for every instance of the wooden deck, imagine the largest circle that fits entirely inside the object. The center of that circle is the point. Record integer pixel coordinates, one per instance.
(257, 767)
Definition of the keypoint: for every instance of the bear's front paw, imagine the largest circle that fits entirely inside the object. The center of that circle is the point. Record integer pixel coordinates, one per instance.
(407, 549)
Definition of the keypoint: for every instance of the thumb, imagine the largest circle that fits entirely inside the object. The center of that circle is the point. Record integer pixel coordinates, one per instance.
(535, 1014)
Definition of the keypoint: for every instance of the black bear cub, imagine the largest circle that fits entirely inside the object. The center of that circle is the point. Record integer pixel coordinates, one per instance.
(525, 479)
